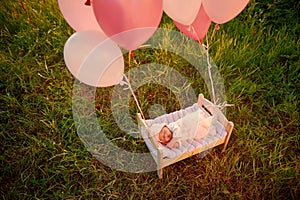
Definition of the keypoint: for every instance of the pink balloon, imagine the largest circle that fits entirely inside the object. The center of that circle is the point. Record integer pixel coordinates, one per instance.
(183, 12)
(78, 15)
(94, 59)
(222, 11)
(198, 29)
(129, 23)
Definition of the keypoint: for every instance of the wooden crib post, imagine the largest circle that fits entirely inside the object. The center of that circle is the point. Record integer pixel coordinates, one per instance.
(160, 173)
(159, 163)
(229, 129)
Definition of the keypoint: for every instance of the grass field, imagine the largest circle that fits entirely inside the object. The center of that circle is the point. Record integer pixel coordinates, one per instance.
(42, 157)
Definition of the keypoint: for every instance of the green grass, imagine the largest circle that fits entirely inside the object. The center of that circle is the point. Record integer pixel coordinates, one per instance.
(42, 156)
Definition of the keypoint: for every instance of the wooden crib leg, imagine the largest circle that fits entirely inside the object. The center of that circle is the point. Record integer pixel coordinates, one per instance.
(160, 173)
(225, 143)
(229, 130)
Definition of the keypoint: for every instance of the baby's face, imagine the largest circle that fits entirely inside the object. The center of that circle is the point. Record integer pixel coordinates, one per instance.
(165, 135)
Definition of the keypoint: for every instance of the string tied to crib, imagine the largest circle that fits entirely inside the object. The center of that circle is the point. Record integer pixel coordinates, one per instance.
(125, 82)
(206, 46)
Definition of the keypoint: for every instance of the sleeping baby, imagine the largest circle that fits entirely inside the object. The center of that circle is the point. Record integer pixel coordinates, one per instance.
(191, 126)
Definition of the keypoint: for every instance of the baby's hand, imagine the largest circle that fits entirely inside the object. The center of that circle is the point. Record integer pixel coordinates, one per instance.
(174, 144)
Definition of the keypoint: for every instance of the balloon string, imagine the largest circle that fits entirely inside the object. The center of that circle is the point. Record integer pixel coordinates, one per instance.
(209, 71)
(208, 62)
(134, 97)
(130, 88)
(195, 33)
(214, 31)
(129, 63)
(224, 104)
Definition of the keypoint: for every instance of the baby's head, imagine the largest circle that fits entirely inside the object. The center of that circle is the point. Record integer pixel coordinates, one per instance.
(165, 135)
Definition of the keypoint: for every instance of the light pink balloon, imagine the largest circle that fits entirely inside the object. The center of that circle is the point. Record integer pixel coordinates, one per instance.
(222, 11)
(78, 47)
(78, 15)
(130, 23)
(94, 59)
(198, 29)
(183, 12)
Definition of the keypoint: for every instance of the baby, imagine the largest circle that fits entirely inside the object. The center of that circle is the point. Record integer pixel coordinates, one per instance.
(191, 126)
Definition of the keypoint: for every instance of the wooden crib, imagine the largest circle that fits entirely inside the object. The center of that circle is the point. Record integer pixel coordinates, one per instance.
(159, 152)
